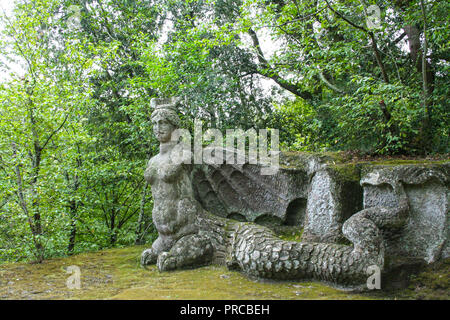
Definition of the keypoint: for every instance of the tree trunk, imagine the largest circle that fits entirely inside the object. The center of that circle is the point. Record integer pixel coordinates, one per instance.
(73, 227)
(113, 236)
(427, 134)
(33, 221)
(35, 205)
(140, 232)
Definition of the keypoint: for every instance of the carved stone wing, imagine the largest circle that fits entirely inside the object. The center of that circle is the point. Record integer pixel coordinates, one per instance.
(241, 192)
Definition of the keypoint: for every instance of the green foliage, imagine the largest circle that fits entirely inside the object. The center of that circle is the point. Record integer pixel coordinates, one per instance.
(367, 87)
(75, 131)
(67, 183)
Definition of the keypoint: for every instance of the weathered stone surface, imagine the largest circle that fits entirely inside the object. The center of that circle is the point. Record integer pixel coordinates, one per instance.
(305, 192)
(175, 212)
(241, 193)
(323, 211)
(426, 232)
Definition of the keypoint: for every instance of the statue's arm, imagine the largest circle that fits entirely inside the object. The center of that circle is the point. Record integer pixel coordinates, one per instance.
(150, 171)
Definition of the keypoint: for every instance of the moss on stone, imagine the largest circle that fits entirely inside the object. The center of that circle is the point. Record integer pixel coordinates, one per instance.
(347, 172)
(346, 168)
(299, 160)
(404, 162)
(294, 160)
(289, 233)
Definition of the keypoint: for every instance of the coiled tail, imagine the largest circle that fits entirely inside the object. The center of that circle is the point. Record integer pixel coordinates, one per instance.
(259, 253)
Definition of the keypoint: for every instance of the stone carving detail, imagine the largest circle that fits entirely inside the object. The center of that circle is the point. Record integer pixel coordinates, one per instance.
(175, 211)
(190, 235)
(425, 233)
(230, 189)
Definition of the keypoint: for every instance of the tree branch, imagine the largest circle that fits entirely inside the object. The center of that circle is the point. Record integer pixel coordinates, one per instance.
(272, 74)
(372, 38)
(344, 18)
(57, 129)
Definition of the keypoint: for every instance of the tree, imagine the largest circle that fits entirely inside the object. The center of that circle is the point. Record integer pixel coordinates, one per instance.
(362, 82)
(36, 107)
(357, 78)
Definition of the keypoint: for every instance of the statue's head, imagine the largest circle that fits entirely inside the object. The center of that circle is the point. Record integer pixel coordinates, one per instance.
(164, 118)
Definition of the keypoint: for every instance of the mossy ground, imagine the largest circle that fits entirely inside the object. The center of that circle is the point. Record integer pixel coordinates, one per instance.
(116, 274)
(432, 283)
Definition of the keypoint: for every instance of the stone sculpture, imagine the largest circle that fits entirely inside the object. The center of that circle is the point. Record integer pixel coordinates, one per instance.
(191, 236)
(175, 211)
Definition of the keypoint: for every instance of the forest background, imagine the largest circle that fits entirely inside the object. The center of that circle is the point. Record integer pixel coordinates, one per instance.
(77, 78)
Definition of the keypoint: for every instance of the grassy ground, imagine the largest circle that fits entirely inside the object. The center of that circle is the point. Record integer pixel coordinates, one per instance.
(116, 274)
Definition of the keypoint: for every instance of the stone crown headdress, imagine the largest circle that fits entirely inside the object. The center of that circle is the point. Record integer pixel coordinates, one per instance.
(165, 108)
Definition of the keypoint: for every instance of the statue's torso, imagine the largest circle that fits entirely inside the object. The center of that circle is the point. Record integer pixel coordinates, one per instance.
(175, 209)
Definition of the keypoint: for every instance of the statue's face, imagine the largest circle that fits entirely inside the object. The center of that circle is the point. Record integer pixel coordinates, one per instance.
(163, 130)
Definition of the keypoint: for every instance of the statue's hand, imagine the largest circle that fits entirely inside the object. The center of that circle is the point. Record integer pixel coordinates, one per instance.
(166, 262)
(148, 257)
